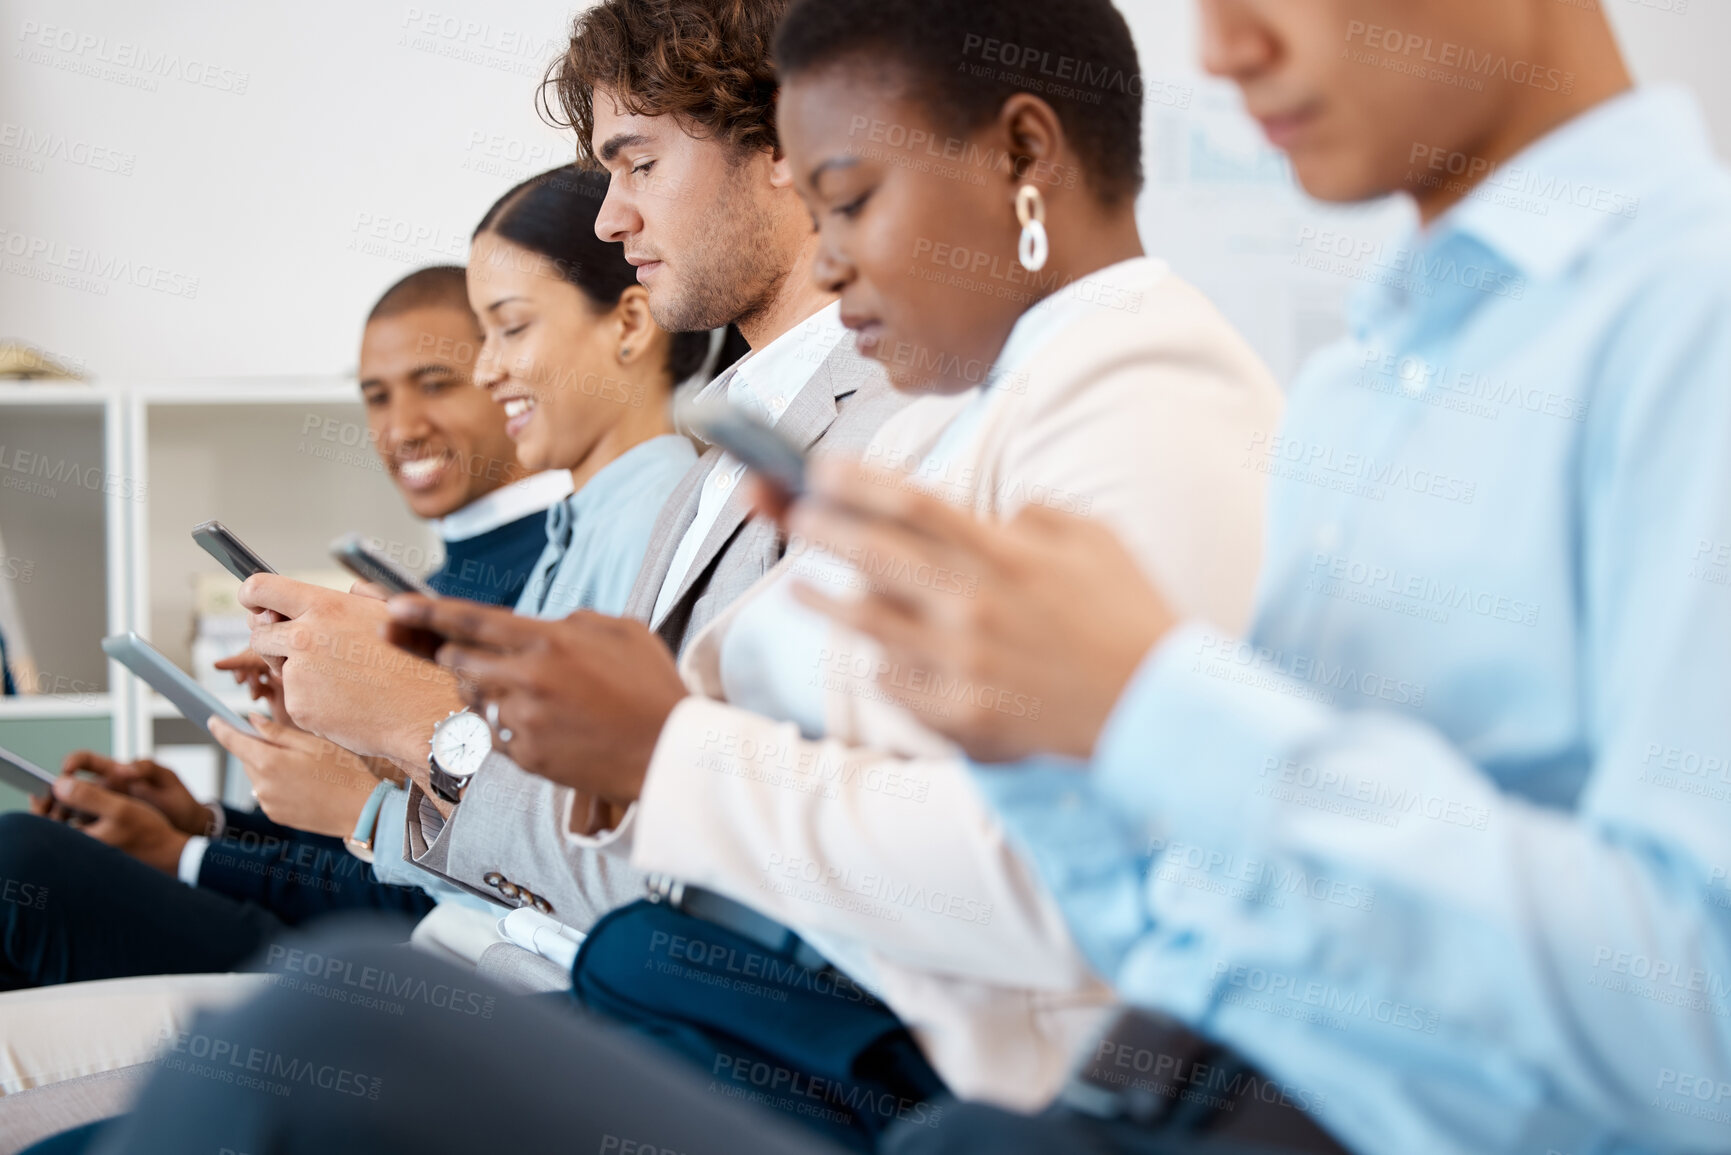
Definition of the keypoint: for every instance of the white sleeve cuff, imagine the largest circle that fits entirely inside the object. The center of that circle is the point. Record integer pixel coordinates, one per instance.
(192, 859)
(616, 841)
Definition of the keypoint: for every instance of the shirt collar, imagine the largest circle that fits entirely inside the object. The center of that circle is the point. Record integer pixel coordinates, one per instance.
(1541, 210)
(767, 380)
(621, 474)
(508, 503)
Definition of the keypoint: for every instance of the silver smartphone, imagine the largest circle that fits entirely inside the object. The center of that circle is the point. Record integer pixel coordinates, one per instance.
(368, 564)
(195, 702)
(763, 451)
(219, 542)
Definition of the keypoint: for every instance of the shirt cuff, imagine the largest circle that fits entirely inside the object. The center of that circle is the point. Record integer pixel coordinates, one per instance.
(218, 820)
(1198, 728)
(615, 841)
(192, 859)
(388, 863)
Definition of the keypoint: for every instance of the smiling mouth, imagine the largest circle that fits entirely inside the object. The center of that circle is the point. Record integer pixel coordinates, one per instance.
(422, 472)
(518, 413)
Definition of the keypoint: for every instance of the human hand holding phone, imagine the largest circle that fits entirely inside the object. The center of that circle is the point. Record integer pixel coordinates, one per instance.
(148, 782)
(261, 682)
(300, 779)
(339, 677)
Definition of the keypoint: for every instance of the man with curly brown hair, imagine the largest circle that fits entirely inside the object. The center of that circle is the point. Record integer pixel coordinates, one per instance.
(676, 99)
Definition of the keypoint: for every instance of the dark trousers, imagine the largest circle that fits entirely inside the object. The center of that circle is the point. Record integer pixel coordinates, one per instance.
(74, 909)
(368, 1047)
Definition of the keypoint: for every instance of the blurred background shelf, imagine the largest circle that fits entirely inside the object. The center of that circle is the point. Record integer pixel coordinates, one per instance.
(161, 707)
(39, 706)
(99, 488)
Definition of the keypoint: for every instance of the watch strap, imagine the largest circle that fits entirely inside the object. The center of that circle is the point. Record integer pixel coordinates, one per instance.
(446, 785)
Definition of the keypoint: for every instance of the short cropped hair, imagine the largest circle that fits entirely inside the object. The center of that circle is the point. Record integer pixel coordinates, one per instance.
(437, 286)
(704, 62)
(965, 58)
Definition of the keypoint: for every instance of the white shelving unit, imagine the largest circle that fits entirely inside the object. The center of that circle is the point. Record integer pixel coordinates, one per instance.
(284, 463)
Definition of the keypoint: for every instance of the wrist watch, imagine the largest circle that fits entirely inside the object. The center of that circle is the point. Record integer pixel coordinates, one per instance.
(460, 743)
(360, 843)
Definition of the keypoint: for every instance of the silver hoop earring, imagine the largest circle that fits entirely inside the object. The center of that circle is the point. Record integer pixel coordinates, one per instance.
(1031, 212)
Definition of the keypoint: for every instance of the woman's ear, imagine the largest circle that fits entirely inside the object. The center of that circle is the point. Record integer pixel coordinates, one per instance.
(637, 329)
(1034, 139)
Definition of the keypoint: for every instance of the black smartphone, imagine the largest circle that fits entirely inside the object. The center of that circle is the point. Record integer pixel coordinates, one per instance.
(234, 554)
(763, 451)
(368, 564)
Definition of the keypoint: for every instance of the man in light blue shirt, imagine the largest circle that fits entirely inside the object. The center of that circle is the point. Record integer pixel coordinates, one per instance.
(1446, 836)
(1442, 845)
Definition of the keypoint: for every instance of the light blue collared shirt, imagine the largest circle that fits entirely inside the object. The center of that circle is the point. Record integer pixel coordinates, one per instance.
(597, 538)
(1443, 845)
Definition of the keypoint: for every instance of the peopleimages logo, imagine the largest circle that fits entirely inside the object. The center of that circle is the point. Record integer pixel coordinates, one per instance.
(1455, 63)
(87, 51)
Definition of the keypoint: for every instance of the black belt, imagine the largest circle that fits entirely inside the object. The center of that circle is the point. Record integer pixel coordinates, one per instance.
(736, 917)
(1150, 1071)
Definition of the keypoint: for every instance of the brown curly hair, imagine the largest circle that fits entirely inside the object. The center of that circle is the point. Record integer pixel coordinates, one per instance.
(706, 62)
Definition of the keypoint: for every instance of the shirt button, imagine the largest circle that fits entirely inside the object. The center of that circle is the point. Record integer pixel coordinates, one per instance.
(777, 405)
(723, 480)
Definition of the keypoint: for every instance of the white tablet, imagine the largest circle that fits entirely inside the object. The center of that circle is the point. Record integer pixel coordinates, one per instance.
(24, 774)
(172, 682)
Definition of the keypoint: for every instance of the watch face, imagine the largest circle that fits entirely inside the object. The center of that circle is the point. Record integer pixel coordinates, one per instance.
(460, 743)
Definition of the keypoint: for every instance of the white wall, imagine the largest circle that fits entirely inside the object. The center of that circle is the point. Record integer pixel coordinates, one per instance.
(281, 163)
(346, 145)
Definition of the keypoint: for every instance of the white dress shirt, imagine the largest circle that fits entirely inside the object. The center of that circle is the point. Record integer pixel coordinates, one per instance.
(763, 381)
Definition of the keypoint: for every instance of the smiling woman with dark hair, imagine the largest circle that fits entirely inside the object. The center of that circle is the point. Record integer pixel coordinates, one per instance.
(585, 376)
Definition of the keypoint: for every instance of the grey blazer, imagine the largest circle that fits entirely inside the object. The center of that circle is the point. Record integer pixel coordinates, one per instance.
(505, 841)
